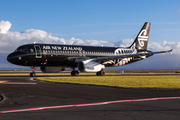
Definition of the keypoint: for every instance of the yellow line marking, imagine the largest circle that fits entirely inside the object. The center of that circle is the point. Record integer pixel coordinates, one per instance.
(7, 82)
(2, 82)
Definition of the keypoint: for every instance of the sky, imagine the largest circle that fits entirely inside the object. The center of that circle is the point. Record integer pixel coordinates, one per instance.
(92, 22)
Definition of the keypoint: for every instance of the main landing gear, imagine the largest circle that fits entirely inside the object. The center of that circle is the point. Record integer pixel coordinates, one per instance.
(74, 72)
(33, 74)
(100, 73)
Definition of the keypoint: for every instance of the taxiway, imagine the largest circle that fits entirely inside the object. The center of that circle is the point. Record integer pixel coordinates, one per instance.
(24, 92)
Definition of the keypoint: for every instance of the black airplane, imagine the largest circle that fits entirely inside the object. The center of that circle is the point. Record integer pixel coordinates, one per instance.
(53, 58)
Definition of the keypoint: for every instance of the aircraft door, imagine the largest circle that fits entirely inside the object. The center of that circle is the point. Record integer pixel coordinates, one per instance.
(38, 51)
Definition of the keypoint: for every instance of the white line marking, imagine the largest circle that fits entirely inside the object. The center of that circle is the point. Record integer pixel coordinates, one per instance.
(89, 104)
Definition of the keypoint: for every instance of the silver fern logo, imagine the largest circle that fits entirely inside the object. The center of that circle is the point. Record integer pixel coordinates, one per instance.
(142, 37)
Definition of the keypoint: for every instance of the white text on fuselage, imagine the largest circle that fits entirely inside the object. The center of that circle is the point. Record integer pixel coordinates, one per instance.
(61, 48)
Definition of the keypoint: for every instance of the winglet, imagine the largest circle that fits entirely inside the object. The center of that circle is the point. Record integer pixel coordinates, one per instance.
(170, 51)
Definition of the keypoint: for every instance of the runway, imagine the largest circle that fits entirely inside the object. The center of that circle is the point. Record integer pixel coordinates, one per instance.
(23, 93)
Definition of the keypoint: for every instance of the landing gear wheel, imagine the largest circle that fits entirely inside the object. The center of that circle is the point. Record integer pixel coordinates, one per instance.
(32, 74)
(74, 73)
(100, 73)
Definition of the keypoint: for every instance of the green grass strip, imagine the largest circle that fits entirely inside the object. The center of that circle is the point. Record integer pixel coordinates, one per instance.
(68, 73)
(158, 82)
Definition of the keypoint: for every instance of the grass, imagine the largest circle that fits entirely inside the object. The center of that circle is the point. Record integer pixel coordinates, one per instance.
(158, 82)
(108, 72)
(81, 74)
(159, 79)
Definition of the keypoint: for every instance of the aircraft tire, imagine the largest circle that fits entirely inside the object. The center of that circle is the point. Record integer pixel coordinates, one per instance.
(74, 73)
(32, 74)
(98, 73)
(102, 73)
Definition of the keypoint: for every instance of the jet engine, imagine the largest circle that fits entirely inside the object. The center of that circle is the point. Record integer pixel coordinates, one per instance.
(51, 69)
(90, 66)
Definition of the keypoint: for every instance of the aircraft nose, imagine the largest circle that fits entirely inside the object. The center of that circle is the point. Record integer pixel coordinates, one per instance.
(15, 58)
(10, 58)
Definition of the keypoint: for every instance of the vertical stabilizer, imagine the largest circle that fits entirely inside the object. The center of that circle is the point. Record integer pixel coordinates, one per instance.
(142, 38)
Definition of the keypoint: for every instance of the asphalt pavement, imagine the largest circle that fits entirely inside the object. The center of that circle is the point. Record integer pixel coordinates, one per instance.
(25, 92)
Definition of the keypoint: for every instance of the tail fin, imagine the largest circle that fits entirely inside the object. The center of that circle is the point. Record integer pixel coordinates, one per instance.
(142, 38)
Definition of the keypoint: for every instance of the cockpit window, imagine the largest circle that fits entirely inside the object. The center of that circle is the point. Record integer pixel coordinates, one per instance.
(22, 49)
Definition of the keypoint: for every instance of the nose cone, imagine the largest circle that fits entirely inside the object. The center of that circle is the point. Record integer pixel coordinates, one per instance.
(10, 58)
(16, 58)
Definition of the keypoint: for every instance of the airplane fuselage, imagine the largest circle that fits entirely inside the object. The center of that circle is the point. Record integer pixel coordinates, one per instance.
(65, 55)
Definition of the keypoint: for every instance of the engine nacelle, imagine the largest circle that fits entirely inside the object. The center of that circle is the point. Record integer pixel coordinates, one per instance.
(90, 66)
(51, 69)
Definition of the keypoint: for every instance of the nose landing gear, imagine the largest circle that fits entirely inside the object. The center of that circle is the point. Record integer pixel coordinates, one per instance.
(33, 74)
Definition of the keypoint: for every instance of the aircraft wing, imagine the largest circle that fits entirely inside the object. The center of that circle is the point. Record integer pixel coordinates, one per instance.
(104, 59)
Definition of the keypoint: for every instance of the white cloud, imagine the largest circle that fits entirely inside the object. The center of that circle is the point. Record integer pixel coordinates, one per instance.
(9, 41)
(154, 46)
(4, 26)
(124, 43)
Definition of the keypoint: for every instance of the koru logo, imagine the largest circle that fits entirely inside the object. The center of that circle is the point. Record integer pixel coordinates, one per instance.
(117, 52)
(142, 37)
